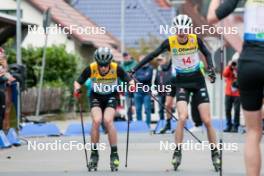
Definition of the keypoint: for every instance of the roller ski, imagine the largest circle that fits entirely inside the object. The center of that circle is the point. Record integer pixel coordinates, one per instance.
(216, 160)
(176, 159)
(165, 129)
(92, 165)
(114, 162)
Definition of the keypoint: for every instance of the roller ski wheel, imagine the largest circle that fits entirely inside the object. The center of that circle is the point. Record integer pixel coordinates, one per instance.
(114, 162)
(216, 160)
(176, 159)
(92, 165)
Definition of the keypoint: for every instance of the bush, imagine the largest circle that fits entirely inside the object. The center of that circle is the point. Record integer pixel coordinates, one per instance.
(60, 70)
(60, 67)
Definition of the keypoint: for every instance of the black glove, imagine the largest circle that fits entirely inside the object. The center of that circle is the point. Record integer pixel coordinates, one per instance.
(131, 72)
(212, 75)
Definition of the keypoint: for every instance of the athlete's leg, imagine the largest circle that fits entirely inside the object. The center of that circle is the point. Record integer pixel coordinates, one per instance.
(182, 96)
(204, 109)
(195, 112)
(182, 107)
(109, 114)
(169, 102)
(253, 137)
(262, 112)
(251, 100)
(169, 106)
(251, 83)
(97, 115)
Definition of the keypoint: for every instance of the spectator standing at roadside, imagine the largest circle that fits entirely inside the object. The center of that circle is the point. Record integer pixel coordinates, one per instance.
(128, 64)
(144, 76)
(162, 78)
(5, 78)
(232, 97)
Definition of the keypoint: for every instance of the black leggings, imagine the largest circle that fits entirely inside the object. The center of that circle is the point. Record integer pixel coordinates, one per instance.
(2, 108)
(251, 77)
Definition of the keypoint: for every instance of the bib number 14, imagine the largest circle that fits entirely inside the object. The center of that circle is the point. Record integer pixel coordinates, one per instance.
(186, 61)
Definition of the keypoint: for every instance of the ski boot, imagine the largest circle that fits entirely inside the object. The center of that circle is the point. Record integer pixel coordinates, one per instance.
(166, 128)
(176, 159)
(92, 165)
(114, 161)
(216, 160)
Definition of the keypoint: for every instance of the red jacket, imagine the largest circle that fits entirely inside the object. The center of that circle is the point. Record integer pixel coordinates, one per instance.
(230, 79)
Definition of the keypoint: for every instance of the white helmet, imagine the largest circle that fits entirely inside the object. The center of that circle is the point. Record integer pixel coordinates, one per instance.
(182, 21)
(235, 57)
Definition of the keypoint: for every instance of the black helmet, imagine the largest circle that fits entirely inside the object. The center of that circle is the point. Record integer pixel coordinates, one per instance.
(103, 56)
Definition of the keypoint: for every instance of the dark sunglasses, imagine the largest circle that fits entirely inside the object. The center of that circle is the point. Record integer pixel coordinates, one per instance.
(103, 65)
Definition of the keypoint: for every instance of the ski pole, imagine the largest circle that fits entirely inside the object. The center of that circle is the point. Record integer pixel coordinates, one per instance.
(221, 98)
(128, 127)
(83, 133)
(170, 113)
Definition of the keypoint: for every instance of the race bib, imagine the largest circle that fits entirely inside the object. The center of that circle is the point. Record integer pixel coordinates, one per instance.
(254, 20)
(185, 58)
(186, 63)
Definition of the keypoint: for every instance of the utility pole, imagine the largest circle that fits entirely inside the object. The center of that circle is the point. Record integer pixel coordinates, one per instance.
(18, 33)
(46, 24)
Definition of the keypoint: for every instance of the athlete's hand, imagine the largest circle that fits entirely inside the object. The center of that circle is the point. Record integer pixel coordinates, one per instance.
(77, 93)
(211, 75)
(77, 90)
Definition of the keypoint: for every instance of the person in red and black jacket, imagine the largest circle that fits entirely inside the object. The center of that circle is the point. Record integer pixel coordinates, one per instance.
(232, 96)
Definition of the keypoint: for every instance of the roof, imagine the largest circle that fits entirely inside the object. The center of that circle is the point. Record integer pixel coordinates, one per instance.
(143, 19)
(12, 20)
(163, 4)
(65, 15)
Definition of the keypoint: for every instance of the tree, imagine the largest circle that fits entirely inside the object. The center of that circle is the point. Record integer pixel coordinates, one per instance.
(145, 47)
(60, 65)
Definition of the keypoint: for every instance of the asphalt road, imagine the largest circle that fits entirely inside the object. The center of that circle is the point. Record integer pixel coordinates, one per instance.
(145, 158)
